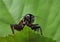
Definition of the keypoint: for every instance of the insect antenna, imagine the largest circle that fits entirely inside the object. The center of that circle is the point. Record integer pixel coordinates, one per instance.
(40, 30)
(39, 17)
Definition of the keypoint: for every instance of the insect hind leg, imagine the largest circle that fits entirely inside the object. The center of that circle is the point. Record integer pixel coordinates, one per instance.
(16, 27)
(12, 28)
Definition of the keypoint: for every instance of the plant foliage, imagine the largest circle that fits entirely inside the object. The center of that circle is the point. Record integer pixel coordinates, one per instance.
(48, 11)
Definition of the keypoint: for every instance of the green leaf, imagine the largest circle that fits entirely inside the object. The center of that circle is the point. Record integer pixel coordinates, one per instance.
(48, 12)
(26, 35)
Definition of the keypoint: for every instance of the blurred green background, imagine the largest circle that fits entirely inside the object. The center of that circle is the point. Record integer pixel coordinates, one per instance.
(11, 11)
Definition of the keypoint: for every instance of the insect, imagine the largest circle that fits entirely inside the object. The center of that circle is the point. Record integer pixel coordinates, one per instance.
(28, 20)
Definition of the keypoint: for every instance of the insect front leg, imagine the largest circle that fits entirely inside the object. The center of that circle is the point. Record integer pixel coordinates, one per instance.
(41, 31)
(36, 27)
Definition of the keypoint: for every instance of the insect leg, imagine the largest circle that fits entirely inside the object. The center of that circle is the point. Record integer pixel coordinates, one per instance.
(12, 28)
(36, 27)
(41, 31)
(16, 27)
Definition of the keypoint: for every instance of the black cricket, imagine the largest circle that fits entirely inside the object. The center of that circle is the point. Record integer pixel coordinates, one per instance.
(28, 20)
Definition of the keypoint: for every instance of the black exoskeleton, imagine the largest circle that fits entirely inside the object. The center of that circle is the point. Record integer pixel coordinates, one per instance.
(28, 20)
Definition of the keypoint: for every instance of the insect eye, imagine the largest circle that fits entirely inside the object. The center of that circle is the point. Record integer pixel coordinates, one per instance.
(27, 16)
